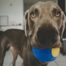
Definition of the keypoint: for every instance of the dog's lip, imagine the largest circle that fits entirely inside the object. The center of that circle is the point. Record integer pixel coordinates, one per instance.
(57, 46)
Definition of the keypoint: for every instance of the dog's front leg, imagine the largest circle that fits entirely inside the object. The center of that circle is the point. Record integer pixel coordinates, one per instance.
(30, 60)
(15, 54)
(27, 58)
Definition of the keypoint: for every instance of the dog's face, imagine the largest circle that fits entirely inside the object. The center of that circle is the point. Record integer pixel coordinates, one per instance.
(45, 24)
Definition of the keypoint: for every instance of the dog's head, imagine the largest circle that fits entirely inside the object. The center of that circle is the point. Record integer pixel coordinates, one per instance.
(45, 24)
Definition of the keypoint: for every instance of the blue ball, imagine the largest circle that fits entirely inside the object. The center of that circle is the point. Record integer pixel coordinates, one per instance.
(43, 55)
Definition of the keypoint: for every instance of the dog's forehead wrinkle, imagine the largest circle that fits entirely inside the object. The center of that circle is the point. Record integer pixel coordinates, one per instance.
(44, 4)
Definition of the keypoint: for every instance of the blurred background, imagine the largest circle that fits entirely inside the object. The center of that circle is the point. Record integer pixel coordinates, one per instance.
(12, 16)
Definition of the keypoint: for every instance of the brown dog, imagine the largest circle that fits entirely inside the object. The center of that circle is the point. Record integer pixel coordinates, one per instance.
(1, 49)
(44, 29)
(14, 40)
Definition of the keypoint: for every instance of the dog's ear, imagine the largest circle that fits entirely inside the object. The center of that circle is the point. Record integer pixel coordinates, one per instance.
(63, 48)
(63, 25)
(28, 24)
(62, 30)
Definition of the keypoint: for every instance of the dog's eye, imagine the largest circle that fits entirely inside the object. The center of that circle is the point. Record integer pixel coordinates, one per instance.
(56, 12)
(34, 13)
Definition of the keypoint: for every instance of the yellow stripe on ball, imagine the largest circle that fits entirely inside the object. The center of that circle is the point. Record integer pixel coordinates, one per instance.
(55, 52)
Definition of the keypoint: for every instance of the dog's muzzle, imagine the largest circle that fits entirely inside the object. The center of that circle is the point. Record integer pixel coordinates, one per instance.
(47, 35)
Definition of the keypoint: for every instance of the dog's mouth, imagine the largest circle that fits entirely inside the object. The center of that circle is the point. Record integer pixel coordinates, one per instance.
(57, 45)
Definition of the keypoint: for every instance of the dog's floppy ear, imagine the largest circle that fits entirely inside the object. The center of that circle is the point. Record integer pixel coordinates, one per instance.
(62, 30)
(63, 48)
(29, 24)
(63, 25)
(26, 23)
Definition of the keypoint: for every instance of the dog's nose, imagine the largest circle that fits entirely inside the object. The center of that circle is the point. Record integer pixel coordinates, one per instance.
(47, 35)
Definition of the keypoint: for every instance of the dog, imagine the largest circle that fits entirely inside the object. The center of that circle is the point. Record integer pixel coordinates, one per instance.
(12, 39)
(1, 50)
(43, 29)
